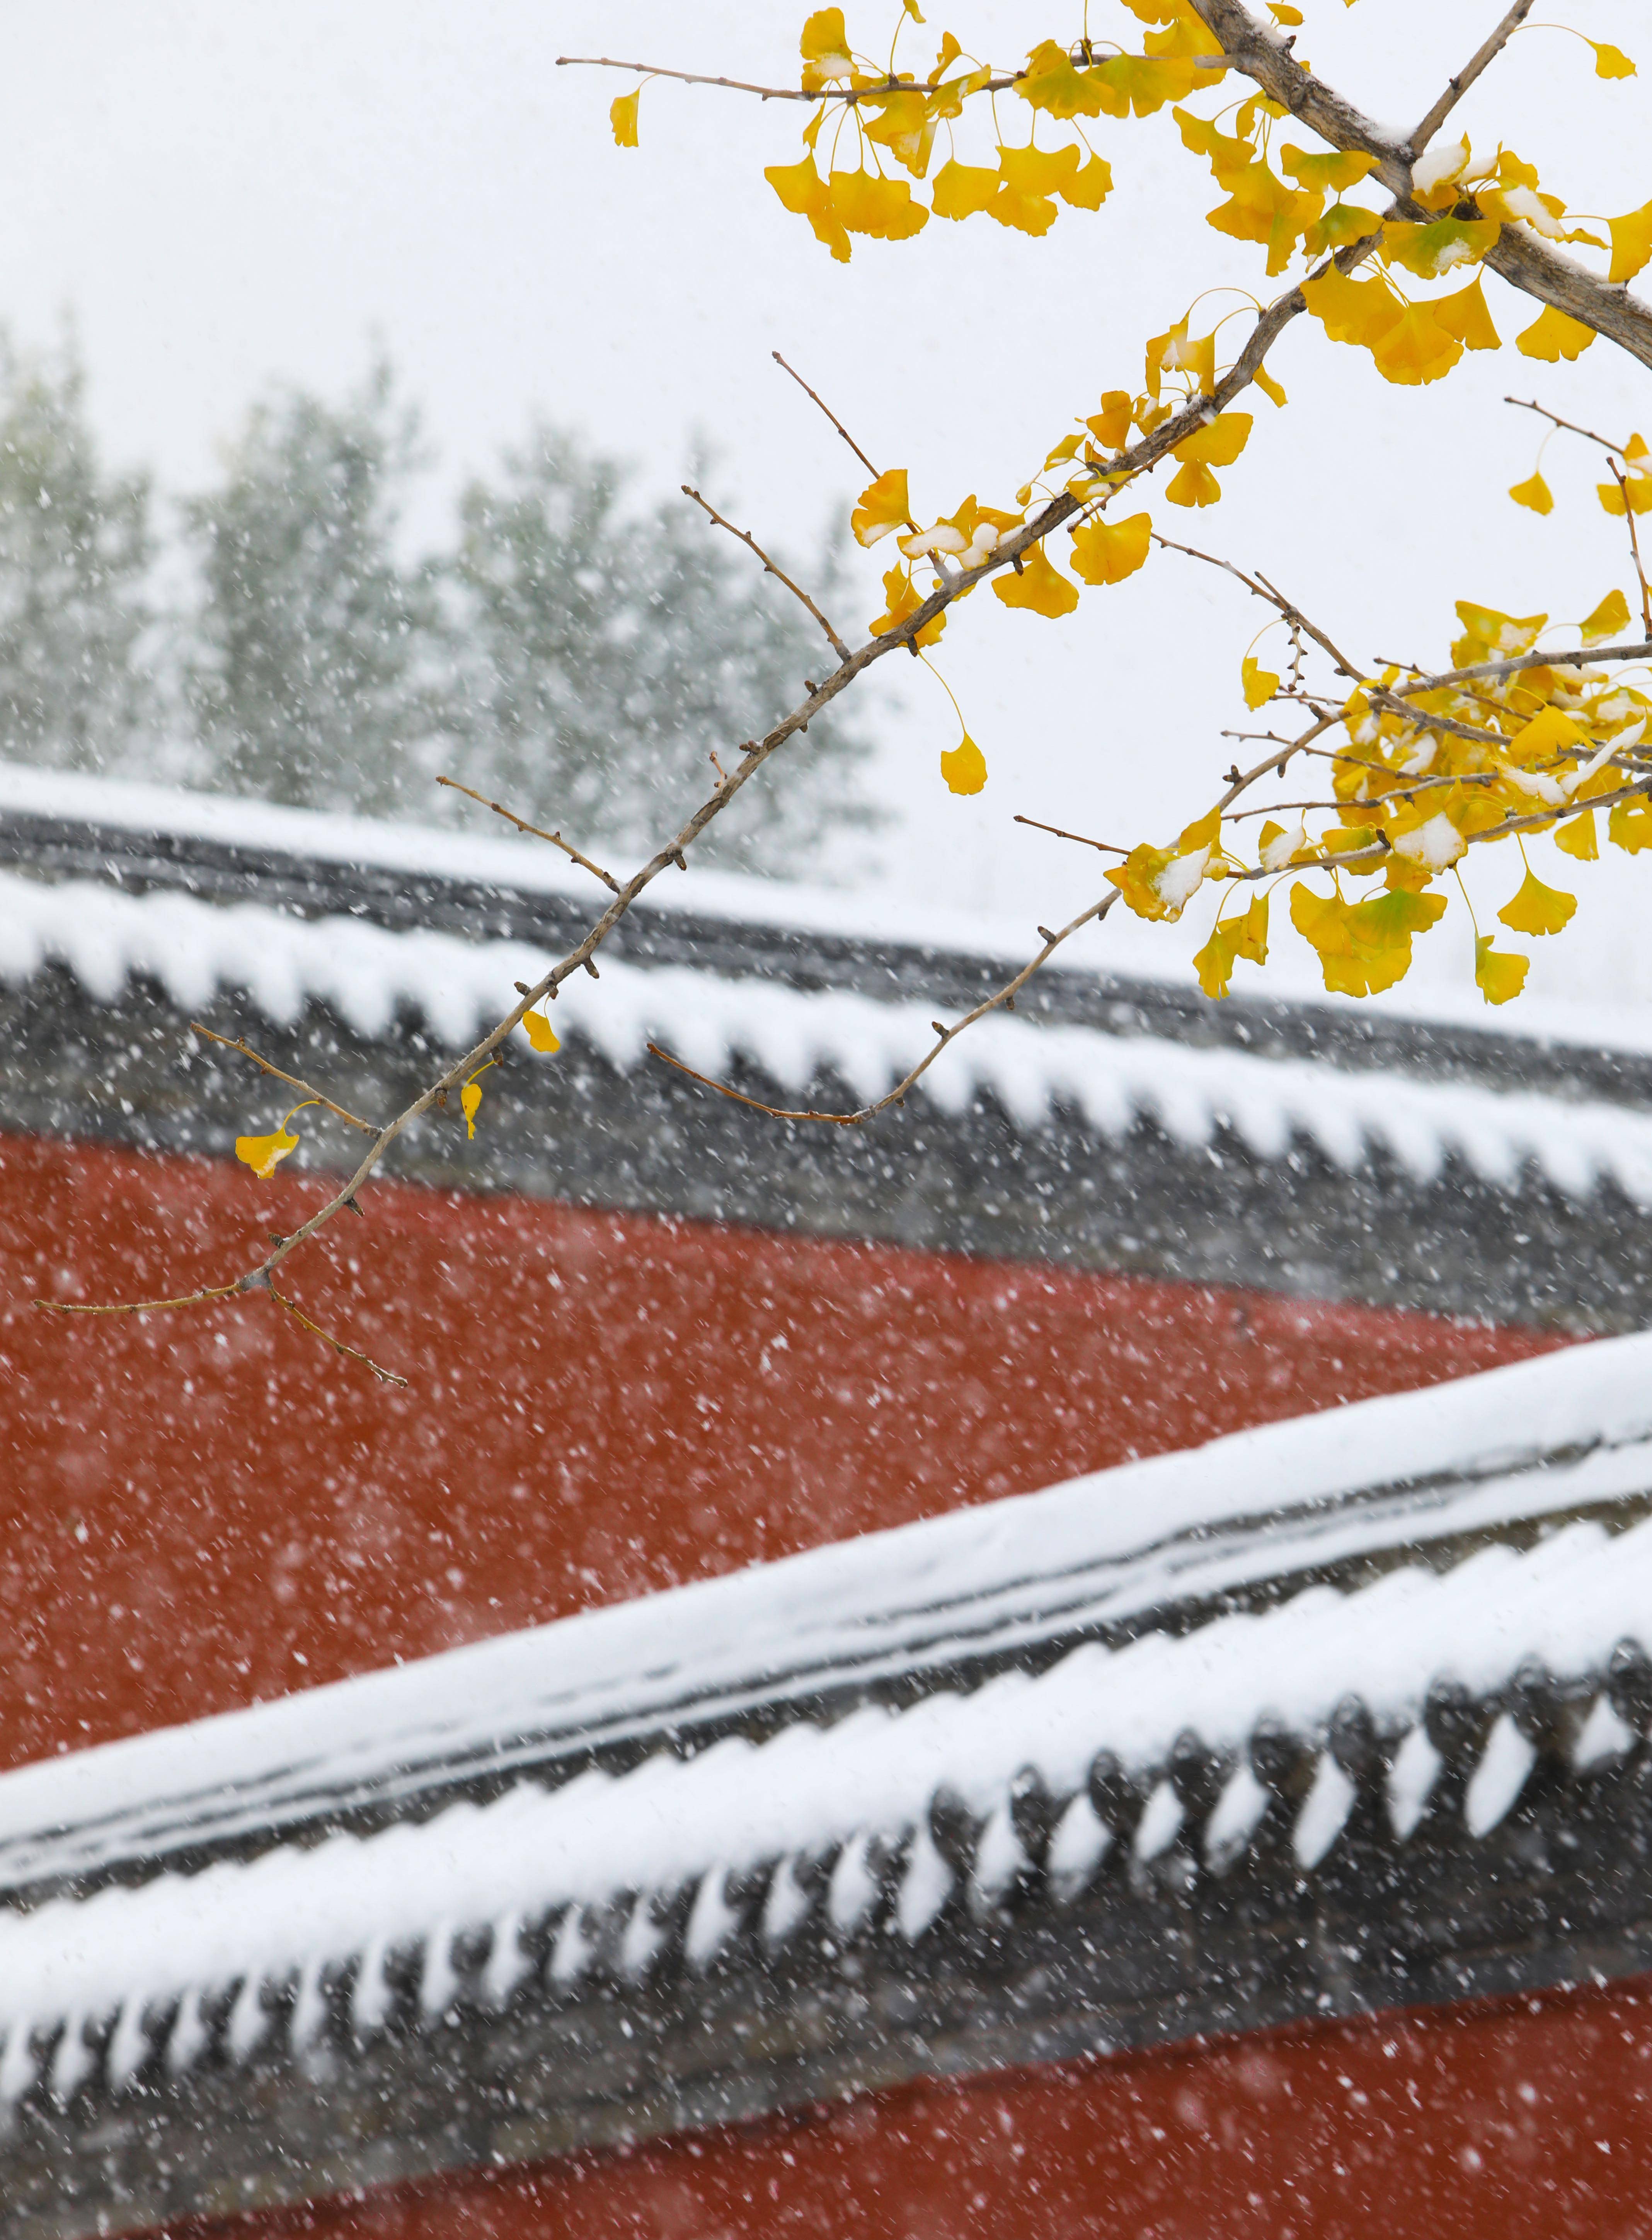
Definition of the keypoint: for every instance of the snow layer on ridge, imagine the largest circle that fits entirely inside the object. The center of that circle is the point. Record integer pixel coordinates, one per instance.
(1394, 1471)
(366, 973)
(738, 1804)
(1123, 946)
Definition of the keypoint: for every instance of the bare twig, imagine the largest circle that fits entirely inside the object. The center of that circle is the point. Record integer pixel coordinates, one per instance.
(1107, 847)
(1483, 56)
(354, 1353)
(1530, 404)
(827, 410)
(847, 94)
(1262, 589)
(1003, 999)
(523, 825)
(144, 1306)
(739, 1097)
(779, 574)
(1238, 785)
(1621, 481)
(291, 1079)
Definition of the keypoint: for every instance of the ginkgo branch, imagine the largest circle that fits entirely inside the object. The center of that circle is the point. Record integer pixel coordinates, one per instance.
(1482, 57)
(292, 1080)
(144, 1306)
(1621, 481)
(827, 410)
(779, 574)
(847, 95)
(1530, 404)
(1002, 999)
(1262, 589)
(523, 825)
(739, 1097)
(1483, 671)
(353, 1352)
(1107, 847)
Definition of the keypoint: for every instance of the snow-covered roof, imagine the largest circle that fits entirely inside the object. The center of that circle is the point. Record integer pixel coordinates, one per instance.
(715, 1017)
(775, 1740)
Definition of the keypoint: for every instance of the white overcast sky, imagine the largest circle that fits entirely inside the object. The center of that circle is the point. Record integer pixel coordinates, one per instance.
(222, 193)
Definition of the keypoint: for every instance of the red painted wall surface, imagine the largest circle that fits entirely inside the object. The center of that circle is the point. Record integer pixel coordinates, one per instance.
(205, 1509)
(1523, 2120)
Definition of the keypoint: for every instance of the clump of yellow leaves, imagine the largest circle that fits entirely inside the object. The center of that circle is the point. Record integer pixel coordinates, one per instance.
(893, 118)
(1160, 883)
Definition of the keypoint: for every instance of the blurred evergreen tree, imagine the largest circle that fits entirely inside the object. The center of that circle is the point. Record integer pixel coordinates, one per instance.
(75, 552)
(606, 656)
(309, 678)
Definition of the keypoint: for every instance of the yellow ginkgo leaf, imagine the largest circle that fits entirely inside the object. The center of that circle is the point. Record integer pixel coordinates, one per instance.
(623, 116)
(863, 202)
(1149, 81)
(1538, 909)
(1417, 347)
(1029, 178)
(1467, 316)
(805, 193)
(1548, 733)
(1219, 443)
(902, 598)
(1053, 82)
(1610, 62)
(1637, 484)
(1249, 934)
(964, 767)
(1282, 12)
(824, 48)
(1111, 425)
(904, 123)
(1551, 336)
(1039, 588)
(541, 1033)
(1176, 351)
(1106, 552)
(1499, 974)
(1608, 618)
(263, 1154)
(1433, 248)
(1488, 635)
(1259, 684)
(1351, 310)
(1270, 388)
(1334, 173)
(1213, 963)
(1364, 947)
(1534, 492)
(1089, 186)
(1631, 242)
(962, 190)
(1630, 825)
(1342, 223)
(883, 505)
(470, 1100)
(1578, 839)
(1193, 484)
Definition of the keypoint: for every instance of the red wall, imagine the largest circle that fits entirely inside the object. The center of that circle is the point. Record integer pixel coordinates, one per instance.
(1523, 2120)
(201, 1510)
